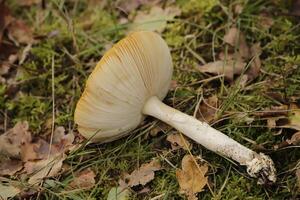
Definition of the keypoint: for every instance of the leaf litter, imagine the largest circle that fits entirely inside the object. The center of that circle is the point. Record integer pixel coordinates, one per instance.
(191, 178)
(142, 175)
(85, 179)
(178, 141)
(236, 60)
(33, 157)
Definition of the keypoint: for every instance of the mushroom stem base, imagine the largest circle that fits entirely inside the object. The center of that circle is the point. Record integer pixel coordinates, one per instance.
(258, 165)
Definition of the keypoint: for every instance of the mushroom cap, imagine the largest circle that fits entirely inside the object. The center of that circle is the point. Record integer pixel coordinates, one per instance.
(133, 70)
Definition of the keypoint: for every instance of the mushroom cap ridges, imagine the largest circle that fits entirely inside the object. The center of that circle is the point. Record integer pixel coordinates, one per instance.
(136, 68)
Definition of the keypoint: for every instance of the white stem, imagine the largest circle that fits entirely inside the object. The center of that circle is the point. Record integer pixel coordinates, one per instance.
(211, 138)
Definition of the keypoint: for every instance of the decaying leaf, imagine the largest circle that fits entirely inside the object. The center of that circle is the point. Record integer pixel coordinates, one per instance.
(10, 167)
(254, 69)
(143, 175)
(227, 68)
(160, 127)
(178, 142)
(19, 32)
(284, 116)
(236, 38)
(208, 109)
(155, 19)
(191, 178)
(295, 139)
(5, 18)
(118, 193)
(12, 141)
(84, 180)
(38, 170)
(8, 191)
(29, 2)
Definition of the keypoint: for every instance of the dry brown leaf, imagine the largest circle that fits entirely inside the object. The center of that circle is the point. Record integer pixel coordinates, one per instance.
(5, 18)
(155, 19)
(236, 38)
(10, 167)
(173, 85)
(208, 109)
(191, 178)
(12, 141)
(160, 127)
(84, 180)
(19, 32)
(255, 65)
(38, 170)
(29, 2)
(178, 142)
(295, 139)
(143, 175)
(227, 68)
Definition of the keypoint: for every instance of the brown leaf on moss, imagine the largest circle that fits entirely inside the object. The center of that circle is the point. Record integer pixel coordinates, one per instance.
(29, 2)
(191, 178)
(10, 167)
(40, 169)
(12, 141)
(83, 180)
(178, 142)
(208, 109)
(143, 175)
(227, 68)
(19, 32)
(254, 69)
(236, 38)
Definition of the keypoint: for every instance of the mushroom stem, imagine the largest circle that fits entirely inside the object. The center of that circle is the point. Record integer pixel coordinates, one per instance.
(258, 165)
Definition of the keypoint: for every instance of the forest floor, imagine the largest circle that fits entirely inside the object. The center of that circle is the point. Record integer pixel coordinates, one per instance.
(49, 48)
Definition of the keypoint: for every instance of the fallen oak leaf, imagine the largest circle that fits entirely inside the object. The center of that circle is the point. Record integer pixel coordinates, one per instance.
(143, 175)
(12, 141)
(178, 142)
(84, 180)
(191, 178)
(227, 68)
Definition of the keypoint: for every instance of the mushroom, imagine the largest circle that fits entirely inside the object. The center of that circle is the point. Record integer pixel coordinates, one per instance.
(130, 82)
